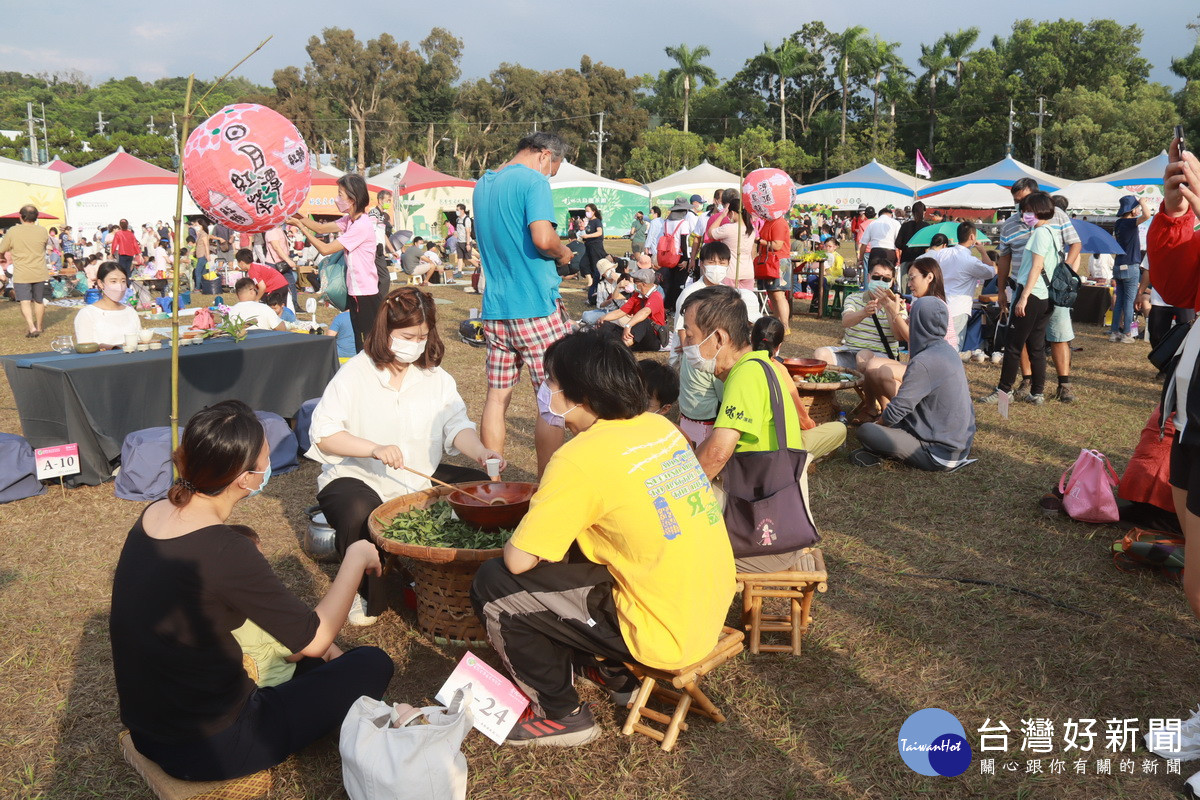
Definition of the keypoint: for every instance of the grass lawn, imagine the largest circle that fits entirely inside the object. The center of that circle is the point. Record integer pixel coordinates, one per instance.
(890, 637)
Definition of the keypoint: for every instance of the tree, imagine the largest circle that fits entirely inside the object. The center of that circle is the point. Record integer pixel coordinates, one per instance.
(662, 151)
(784, 61)
(849, 46)
(880, 57)
(757, 147)
(687, 70)
(935, 61)
(824, 126)
(957, 46)
(359, 79)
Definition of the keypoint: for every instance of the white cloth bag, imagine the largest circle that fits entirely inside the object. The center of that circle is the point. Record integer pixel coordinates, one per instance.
(410, 762)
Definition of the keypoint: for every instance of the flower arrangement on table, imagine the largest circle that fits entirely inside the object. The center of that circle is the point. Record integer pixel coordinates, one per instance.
(220, 322)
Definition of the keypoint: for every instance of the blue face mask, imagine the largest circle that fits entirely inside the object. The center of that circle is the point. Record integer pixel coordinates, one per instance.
(266, 473)
(878, 286)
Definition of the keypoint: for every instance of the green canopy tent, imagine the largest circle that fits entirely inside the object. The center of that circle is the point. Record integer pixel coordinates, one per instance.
(573, 188)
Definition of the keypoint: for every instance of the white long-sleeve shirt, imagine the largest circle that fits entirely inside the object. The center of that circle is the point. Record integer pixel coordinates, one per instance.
(422, 418)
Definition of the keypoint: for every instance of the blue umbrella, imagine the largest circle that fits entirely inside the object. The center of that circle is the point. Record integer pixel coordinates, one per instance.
(1095, 239)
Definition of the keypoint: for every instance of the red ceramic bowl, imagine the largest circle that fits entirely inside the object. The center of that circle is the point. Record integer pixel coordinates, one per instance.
(513, 501)
(804, 366)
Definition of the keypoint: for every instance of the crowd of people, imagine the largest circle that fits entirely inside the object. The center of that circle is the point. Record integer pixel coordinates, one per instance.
(639, 565)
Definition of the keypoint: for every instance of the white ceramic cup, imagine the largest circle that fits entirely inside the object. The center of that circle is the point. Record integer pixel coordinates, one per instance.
(493, 468)
(131, 342)
(146, 336)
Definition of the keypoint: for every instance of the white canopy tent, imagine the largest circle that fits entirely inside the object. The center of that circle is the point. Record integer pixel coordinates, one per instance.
(872, 184)
(1092, 197)
(121, 186)
(973, 195)
(573, 188)
(1149, 172)
(702, 180)
(1004, 173)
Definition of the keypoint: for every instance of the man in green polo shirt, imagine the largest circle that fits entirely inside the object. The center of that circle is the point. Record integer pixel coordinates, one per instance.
(716, 338)
(27, 241)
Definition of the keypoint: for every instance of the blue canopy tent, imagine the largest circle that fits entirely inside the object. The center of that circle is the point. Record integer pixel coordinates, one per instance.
(1148, 173)
(872, 184)
(1004, 173)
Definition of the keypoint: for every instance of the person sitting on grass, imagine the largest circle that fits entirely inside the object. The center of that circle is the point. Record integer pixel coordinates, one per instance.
(277, 302)
(662, 386)
(653, 576)
(107, 321)
(930, 423)
(273, 663)
(184, 581)
(641, 317)
(717, 336)
(882, 376)
(608, 292)
(340, 327)
(249, 309)
(868, 332)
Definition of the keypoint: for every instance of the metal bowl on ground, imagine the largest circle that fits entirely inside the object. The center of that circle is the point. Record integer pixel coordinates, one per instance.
(804, 366)
(492, 505)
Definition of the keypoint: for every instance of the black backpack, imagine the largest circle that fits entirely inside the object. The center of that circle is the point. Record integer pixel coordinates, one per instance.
(1063, 288)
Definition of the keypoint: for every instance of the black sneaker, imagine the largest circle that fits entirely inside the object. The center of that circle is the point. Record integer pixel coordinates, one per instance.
(1065, 395)
(865, 458)
(575, 729)
(619, 682)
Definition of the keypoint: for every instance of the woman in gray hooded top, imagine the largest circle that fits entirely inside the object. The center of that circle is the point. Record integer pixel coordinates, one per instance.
(930, 424)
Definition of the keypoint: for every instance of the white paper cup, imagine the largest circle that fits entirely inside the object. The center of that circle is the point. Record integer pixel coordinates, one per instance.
(131, 342)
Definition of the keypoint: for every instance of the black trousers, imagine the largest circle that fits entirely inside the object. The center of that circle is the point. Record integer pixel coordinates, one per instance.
(645, 339)
(672, 280)
(279, 720)
(363, 309)
(1163, 318)
(590, 258)
(125, 264)
(543, 621)
(347, 504)
(1027, 330)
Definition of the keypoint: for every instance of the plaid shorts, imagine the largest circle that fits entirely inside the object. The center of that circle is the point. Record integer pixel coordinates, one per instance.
(513, 342)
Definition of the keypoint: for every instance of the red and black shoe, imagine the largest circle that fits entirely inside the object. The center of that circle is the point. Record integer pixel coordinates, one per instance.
(574, 729)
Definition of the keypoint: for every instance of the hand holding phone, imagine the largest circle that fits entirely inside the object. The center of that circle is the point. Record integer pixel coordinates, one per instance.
(1179, 136)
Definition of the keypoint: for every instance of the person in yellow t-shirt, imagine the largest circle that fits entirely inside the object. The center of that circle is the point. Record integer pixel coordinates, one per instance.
(623, 553)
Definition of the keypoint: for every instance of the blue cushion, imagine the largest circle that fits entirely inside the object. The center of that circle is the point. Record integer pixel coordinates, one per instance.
(303, 422)
(18, 472)
(145, 465)
(281, 440)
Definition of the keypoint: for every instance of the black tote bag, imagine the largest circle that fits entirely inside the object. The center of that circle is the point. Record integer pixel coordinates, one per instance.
(765, 508)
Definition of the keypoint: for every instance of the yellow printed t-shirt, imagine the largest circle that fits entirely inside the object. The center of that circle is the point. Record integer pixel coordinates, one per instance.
(268, 654)
(634, 497)
(28, 245)
(746, 405)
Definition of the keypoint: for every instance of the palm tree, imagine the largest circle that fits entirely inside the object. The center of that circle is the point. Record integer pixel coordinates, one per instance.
(848, 45)
(893, 89)
(688, 69)
(935, 61)
(880, 57)
(784, 61)
(958, 45)
(823, 126)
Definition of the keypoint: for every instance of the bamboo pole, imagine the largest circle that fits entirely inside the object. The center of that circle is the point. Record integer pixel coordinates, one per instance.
(184, 132)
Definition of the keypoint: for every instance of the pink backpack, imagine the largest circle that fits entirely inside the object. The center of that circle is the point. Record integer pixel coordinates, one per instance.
(1088, 495)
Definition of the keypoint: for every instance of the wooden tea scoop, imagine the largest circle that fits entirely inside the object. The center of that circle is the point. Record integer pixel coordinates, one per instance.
(431, 479)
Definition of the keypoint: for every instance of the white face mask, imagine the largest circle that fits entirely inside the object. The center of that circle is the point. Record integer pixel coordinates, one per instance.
(407, 351)
(588, 214)
(699, 362)
(116, 293)
(715, 273)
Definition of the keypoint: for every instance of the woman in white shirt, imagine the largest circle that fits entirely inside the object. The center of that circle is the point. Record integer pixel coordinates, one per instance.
(389, 406)
(106, 321)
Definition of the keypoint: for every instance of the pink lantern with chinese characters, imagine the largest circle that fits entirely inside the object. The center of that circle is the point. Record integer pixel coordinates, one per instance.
(248, 167)
(769, 192)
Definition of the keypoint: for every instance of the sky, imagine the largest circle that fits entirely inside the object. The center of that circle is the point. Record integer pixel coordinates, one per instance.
(153, 39)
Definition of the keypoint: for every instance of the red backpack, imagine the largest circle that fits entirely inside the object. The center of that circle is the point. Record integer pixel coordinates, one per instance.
(667, 253)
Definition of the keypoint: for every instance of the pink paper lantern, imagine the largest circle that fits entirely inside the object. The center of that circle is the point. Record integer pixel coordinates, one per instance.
(248, 167)
(769, 192)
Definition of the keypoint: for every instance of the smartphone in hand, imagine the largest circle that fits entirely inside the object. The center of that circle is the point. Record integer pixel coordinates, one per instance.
(1179, 136)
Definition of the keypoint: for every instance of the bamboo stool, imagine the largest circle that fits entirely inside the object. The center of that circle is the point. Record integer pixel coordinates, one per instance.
(165, 787)
(797, 586)
(686, 683)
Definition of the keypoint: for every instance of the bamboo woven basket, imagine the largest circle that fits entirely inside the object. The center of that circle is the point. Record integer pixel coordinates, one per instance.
(442, 576)
(818, 398)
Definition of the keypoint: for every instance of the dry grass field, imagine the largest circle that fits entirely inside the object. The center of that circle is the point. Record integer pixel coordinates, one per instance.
(896, 632)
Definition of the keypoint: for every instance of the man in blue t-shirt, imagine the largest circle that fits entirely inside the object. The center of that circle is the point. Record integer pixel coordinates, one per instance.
(518, 250)
(340, 327)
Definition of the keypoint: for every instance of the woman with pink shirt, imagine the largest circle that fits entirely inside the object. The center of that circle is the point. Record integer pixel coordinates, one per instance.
(356, 235)
(734, 228)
